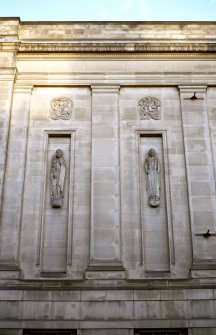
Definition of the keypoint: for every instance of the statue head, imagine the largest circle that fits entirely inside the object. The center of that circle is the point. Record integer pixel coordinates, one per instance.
(152, 153)
(59, 153)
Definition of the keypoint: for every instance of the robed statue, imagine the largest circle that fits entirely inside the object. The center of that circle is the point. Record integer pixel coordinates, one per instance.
(57, 175)
(152, 170)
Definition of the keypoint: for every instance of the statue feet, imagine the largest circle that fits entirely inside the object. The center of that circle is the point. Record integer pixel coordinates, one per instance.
(57, 203)
(154, 201)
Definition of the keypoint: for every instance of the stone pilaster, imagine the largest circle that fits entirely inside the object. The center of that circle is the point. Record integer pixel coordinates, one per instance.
(105, 240)
(200, 175)
(8, 55)
(14, 178)
(7, 77)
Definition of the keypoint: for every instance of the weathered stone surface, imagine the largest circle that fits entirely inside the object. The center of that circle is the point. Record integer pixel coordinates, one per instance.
(106, 262)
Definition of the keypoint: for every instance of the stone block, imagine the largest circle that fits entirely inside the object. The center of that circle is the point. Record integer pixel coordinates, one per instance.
(12, 331)
(104, 204)
(121, 310)
(147, 310)
(200, 294)
(105, 332)
(35, 310)
(194, 132)
(107, 218)
(175, 310)
(203, 188)
(106, 324)
(200, 173)
(9, 310)
(198, 145)
(195, 159)
(202, 204)
(203, 219)
(101, 174)
(120, 295)
(161, 324)
(104, 189)
(50, 324)
(66, 310)
(174, 295)
(104, 160)
(104, 253)
(108, 295)
(147, 295)
(104, 274)
(9, 295)
(37, 295)
(93, 295)
(105, 235)
(203, 309)
(203, 331)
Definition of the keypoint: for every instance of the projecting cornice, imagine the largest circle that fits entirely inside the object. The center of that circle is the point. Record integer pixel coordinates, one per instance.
(108, 47)
(117, 46)
(107, 37)
(71, 56)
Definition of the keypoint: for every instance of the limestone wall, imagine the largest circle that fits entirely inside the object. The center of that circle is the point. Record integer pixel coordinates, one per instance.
(104, 259)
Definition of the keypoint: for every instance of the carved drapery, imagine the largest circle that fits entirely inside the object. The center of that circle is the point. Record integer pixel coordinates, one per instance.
(152, 170)
(57, 175)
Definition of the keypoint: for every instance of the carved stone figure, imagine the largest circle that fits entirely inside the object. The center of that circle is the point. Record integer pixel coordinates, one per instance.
(149, 108)
(62, 108)
(58, 170)
(152, 169)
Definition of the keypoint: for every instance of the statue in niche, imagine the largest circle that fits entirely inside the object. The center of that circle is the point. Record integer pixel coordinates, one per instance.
(149, 108)
(61, 108)
(152, 169)
(58, 170)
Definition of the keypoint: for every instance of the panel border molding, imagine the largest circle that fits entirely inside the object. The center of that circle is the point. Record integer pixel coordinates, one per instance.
(72, 134)
(163, 134)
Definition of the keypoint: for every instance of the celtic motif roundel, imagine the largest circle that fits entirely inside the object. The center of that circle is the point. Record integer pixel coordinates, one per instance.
(61, 108)
(149, 108)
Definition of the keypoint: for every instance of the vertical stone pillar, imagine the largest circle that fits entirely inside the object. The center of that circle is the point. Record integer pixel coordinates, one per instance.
(14, 178)
(9, 46)
(7, 77)
(200, 175)
(105, 240)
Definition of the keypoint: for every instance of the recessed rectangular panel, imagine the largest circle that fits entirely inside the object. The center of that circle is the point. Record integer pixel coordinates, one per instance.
(153, 204)
(55, 227)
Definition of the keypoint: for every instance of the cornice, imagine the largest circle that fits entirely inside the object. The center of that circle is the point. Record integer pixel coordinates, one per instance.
(7, 73)
(37, 56)
(117, 78)
(8, 70)
(77, 284)
(6, 46)
(117, 46)
(111, 47)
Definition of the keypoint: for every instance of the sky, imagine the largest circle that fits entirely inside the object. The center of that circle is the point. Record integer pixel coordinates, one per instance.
(109, 10)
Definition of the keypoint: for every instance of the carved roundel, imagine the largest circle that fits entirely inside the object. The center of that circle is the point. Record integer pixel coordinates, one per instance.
(61, 108)
(149, 108)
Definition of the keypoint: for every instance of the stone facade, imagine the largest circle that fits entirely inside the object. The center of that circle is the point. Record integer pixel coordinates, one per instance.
(106, 258)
